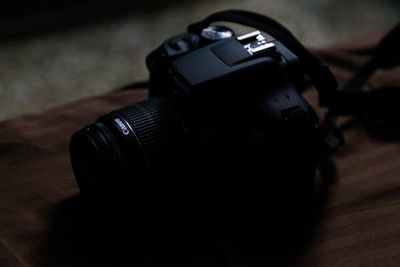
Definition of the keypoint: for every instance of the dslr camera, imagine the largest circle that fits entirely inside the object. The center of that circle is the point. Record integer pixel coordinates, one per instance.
(224, 119)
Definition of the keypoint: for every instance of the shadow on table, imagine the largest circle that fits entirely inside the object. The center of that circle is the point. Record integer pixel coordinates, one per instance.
(83, 236)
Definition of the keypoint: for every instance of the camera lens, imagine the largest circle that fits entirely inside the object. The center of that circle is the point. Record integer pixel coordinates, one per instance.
(125, 151)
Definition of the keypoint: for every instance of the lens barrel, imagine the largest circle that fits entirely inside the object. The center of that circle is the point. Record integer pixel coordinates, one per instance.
(126, 151)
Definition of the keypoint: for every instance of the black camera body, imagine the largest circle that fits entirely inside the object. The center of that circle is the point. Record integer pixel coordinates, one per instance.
(225, 118)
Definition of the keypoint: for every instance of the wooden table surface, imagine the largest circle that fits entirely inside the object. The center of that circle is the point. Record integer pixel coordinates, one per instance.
(354, 220)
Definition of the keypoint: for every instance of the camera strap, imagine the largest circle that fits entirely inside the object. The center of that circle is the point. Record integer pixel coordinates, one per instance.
(378, 106)
(320, 75)
(351, 99)
(384, 56)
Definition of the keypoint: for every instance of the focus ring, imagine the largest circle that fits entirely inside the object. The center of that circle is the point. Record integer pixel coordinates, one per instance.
(115, 147)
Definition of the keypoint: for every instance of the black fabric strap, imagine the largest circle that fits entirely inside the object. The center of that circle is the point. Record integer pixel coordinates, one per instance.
(384, 56)
(320, 75)
(381, 103)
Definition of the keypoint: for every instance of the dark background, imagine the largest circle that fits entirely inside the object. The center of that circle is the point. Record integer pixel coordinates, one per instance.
(54, 53)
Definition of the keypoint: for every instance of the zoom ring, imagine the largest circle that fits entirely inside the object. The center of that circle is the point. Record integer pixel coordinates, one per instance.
(157, 129)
